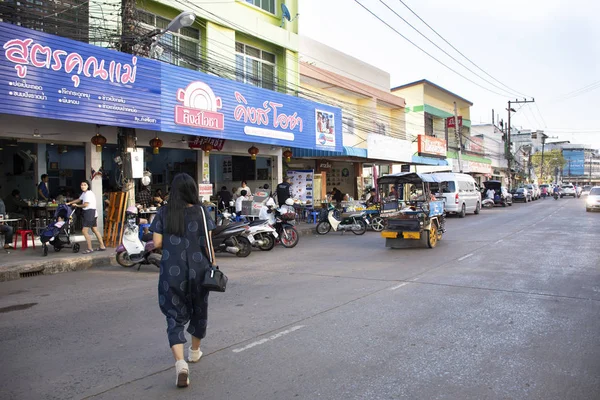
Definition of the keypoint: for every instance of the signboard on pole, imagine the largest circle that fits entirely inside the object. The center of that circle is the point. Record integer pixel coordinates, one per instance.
(450, 122)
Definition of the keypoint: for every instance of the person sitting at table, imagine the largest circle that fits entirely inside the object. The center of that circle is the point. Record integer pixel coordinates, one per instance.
(15, 205)
(7, 230)
(337, 196)
(224, 197)
(238, 202)
(143, 197)
(371, 197)
(43, 191)
(158, 198)
(243, 187)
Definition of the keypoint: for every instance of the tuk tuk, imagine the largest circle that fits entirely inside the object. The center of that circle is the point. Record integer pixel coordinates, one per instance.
(413, 214)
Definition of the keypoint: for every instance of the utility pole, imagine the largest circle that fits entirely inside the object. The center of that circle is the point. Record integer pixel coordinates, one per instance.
(509, 153)
(542, 165)
(458, 138)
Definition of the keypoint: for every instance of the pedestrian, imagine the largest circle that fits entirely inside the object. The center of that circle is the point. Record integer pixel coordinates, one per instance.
(43, 191)
(179, 230)
(6, 230)
(283, 191)
(87, 201)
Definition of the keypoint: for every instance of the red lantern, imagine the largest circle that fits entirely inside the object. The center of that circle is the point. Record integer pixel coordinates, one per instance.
(98, 141)
(253, 152)
(156, 144)
(288, 155)
(206, 147)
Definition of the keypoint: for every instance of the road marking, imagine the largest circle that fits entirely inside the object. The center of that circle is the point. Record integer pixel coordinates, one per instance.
(265, 340)
(465, 257)
(398, 286)
(499, 241)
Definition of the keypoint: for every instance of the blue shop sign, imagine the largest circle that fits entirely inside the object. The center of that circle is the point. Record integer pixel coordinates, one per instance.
(47, 76)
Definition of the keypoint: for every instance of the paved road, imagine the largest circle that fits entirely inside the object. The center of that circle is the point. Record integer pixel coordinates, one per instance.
(507, 307)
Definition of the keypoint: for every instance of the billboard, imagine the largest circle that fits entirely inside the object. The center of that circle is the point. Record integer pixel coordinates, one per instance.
(575, 162)
(431, 146)
(47, 76)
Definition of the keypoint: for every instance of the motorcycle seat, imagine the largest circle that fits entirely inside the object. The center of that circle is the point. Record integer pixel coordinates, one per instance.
(258, 222)
(221, 228)
(350, 214)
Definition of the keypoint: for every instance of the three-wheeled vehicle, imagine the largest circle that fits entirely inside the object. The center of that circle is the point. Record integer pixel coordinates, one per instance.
(413, 214)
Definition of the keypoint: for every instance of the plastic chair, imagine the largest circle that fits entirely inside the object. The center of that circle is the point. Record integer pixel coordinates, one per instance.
(142, 227)
(312, 217)
(24, 236)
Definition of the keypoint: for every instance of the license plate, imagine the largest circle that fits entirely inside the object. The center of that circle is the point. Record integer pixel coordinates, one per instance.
(251, 239)
(411, 235)
(389, 234)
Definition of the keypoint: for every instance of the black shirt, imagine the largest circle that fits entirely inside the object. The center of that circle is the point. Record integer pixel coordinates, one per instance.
(283, 192)
(224, 197)
(338, 196)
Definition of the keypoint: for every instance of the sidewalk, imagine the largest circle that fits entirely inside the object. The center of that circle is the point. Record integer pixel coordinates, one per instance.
(17, 263)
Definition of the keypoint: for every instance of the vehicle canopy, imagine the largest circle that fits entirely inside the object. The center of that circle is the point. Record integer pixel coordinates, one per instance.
(405, 189)
(407, 177)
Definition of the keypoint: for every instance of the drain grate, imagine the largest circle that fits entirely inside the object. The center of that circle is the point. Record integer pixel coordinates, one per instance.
(30, 274)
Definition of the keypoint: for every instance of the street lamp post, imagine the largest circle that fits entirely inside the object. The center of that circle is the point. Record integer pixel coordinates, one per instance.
(183, 20)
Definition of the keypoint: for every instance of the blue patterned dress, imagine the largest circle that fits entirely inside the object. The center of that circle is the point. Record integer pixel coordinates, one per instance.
(180, 294)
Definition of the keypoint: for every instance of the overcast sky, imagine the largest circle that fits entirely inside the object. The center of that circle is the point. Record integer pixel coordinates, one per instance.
(549, 50)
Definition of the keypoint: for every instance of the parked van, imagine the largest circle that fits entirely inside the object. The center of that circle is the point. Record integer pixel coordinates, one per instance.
(460, 193)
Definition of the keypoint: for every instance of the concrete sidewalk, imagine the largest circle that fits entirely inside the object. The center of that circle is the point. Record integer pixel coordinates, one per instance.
(17, 263)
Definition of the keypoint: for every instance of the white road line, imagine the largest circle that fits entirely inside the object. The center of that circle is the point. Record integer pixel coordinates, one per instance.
(465, 257)
(399, 286)
(499, 241)
(265, 340)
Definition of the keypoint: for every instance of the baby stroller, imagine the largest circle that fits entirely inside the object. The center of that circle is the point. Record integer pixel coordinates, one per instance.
(58, 233)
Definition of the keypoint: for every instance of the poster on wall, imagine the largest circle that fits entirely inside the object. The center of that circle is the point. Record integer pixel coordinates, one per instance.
(227, 168)
(325, 128)
(341, 177)
(302, 185)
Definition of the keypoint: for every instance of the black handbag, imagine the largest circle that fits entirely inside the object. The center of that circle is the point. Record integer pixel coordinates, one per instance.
(214, 279)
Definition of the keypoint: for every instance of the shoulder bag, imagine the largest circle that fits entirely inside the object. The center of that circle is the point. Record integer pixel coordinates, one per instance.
(214, 279)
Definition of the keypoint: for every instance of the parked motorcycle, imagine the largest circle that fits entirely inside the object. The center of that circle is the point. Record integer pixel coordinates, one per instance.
(133, 250)
(233, 238)
(355, 222)
(487, 203)
(284, 220)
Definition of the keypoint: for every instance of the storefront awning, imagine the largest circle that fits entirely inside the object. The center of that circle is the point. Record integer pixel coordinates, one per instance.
(420, 160)
(346, 152)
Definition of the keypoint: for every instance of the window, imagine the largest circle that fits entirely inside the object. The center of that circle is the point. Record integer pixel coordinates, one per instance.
(381, 128)
(254, 66)
(428, 124)
(267, 5)
(181, 48)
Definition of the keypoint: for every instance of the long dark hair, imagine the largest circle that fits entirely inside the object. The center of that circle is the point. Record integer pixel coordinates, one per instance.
(184, 191)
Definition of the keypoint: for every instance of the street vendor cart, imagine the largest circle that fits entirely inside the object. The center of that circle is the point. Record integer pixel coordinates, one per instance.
(412, 213)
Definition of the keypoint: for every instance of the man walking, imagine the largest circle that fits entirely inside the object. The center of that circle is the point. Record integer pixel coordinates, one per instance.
(283, 191)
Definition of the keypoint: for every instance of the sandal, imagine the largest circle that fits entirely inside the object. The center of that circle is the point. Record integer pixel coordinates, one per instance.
(100, 249)
(88, 251)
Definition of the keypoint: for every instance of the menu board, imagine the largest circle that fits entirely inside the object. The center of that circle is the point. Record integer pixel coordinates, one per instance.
(302, 185)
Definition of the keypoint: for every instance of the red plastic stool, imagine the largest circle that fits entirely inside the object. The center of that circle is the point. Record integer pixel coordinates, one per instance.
(24, 233)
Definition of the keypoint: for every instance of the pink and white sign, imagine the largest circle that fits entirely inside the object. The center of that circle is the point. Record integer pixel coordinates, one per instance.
(200, 106)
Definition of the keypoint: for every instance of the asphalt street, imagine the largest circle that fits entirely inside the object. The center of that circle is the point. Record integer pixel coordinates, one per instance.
(506, 307)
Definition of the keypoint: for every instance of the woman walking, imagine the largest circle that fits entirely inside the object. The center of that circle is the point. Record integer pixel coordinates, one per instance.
(179, 229)
(87, 201)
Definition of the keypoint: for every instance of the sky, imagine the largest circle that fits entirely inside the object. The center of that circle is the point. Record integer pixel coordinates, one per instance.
(547, 50)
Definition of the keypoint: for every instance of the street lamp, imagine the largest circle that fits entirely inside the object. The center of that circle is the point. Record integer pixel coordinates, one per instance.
(183, 20)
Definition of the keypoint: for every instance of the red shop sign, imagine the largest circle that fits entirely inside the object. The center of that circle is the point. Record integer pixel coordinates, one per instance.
(451, 124)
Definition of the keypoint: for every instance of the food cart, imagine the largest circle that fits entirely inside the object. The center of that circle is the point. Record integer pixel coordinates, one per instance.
(413, 215)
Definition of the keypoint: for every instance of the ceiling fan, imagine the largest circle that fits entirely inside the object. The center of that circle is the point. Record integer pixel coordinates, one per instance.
(183, 140)
(36, 134)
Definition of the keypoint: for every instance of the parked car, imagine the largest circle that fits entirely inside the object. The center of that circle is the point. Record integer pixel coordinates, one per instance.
(459, 192)
(534, 190)
(521, 194)
(593, 199)
(586, 190)
(567, 189)
(502, 196)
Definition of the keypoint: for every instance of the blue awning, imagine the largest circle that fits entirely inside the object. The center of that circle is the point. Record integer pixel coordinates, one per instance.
(346, 152)
(429, 161)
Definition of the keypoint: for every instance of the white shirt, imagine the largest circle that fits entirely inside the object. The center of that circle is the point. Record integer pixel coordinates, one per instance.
(90, 198)
(238, 204)
(263, 214)
(490, 194)
(238, 192)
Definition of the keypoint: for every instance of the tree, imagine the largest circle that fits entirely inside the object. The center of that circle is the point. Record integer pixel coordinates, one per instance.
(552, 159)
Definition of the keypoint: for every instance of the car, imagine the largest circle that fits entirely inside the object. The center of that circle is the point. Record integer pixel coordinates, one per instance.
(533, 189)
(502, 195)
(593, 199)
(586, 190)
(521, 194)
(567, 189)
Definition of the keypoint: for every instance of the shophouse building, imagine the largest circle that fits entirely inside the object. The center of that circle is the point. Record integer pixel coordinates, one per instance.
(494, 149)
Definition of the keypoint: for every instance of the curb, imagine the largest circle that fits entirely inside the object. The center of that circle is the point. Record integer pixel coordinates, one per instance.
(55, 266)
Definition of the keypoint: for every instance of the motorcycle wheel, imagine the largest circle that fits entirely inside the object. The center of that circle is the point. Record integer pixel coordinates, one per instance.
(270, 242)
(377, 224)
(244, 246)
(289, 237)
(362, 229)
(323, 227)
(124, 261)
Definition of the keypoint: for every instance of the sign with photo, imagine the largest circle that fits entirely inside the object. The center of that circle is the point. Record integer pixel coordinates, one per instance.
(302, 185)
(325, 128)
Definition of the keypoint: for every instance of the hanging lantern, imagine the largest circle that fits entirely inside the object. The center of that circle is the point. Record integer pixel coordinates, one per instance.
(98, 141)
(156, 144)
(288, 155)
(206, 148)
(253, 152)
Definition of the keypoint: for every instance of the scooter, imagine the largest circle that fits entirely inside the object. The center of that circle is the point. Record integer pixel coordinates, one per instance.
(355, 222)
(284, 220)
(264, 235)
(233, 238)
(487, 203)
(133, 250)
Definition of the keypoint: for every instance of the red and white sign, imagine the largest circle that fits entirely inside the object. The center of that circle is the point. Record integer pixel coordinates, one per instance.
(451, 124)
(200, 106)
(198, 141)
(476, 145)
(429, 145)
(205, 189)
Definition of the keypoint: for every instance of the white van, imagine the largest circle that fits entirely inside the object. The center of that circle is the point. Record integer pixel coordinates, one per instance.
(460, 193)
